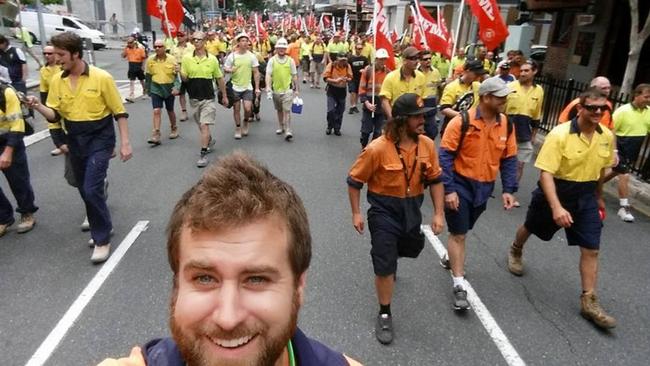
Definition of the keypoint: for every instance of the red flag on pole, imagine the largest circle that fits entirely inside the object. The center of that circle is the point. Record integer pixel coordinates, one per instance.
(174, 9)
(261, 32)
(381, 31)
(492, 29)
(393, 36)
(445, 31)
(436, 39)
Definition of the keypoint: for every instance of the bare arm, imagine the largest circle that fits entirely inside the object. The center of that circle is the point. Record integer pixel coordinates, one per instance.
(126, 152)
(561, 216)
(388, 110)
(355, 198)
(256, 78)
(449, 112)
(437, 192)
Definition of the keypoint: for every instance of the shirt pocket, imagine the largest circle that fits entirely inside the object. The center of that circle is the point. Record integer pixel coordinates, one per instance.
(392, 176)
(93, 102)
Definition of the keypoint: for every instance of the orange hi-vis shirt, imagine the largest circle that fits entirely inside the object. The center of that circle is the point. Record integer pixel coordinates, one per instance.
(135, 54)
(365, 84)
(294, 52)
(571, 111)
(380, 167)
(483, 148)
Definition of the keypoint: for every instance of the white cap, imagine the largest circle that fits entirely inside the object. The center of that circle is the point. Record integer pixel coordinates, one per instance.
(240, 35)
(281, 43)
(381, 53)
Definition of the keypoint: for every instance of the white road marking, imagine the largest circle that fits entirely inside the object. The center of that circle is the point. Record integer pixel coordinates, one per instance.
(53, 339)
(499, 338)
(36, 137)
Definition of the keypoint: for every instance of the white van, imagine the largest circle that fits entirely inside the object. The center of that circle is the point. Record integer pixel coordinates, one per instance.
(55, 23)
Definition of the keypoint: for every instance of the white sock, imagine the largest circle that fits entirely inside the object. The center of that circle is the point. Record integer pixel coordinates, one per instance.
(624, 202)
(459, 281)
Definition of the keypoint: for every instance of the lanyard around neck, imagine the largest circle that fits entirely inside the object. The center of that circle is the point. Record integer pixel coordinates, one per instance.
(405, 169)
(292, 357)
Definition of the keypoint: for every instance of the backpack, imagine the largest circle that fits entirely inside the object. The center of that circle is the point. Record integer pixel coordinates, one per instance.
(464, 127)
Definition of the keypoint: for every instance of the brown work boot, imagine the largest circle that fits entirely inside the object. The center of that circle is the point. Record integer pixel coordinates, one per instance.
(155, 138)
(5, 227)
(26, 223)
(590, 309)
(515, 262)
(174, 133)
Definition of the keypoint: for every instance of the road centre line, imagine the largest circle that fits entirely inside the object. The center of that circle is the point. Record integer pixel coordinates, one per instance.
(36, 137)
(57, 334)
(499, 338)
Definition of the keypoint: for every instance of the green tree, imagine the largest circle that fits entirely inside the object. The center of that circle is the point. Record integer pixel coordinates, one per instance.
(44, 2)
(251, 5)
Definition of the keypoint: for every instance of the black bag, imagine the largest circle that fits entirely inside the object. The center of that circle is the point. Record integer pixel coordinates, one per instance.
(230, 93)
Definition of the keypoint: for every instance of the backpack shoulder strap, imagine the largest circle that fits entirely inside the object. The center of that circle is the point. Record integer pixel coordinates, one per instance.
(464, 127)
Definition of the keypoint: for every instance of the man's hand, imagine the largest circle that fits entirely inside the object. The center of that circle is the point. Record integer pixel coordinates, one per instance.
(6, 159)
(31, 101)
(224, 100)
(508, 201)
(357, 222)
(257, 92)
(134, 359)
(562, 217)
(451, 201)
(126, 151)
(369, 106)
(601, 204)
(437, 223)
(175, 92)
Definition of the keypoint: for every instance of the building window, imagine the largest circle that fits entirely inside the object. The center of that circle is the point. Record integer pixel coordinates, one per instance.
(562, 30)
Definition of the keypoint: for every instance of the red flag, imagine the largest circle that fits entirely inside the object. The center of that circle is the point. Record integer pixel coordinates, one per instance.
(393, 36)
(174, 10)
(492, 29)
(445, 31)
(436, 38)
(381, 31)
(259, 28)
(326, 22)
(311, 21)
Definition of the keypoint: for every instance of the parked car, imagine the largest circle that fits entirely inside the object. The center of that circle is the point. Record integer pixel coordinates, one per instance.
(55, 23)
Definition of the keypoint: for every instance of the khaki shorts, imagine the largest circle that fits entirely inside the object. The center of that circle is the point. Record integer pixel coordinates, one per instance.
(525, 152)
(316, 67)
(205, 111)
(282, 102)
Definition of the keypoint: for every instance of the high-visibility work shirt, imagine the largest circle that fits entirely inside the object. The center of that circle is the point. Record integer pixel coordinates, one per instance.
(443, 65)
(486, 149)
(524, 109)
(571, 111)
(455, 90)
(88, 110)
(161, 75)
(212, 46)
(281, 71)
(432, 80)
(305, 49)
(366, 83)
(180, 52)
(334, 71)
(380, 167)
(135, 54)
(395, 85)
(243, 65)
(200, 73)
(317, 49)
(630, 121)
(12, 125)
(338, 48)
(46, 74)
(368, 51)
(458, 61)
(294, 51)
(569, 155)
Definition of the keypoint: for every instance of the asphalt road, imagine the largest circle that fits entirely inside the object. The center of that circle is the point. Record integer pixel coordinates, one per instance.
(44, 271)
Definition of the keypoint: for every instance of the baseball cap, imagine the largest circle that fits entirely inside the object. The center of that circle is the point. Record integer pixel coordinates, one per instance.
(504, 64)
(381, 53)
(494, 86)
(475, 66)
(410, 104)
(198, 35)
(281, 43)
(410, 52)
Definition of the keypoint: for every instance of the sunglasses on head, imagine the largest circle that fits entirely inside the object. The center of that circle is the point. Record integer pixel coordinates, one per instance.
(594, 108)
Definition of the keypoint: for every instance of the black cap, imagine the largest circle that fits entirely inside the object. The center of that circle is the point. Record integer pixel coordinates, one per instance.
(475, 66)
(409, 104)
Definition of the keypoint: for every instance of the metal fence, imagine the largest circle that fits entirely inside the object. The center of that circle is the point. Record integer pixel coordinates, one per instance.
(559, 93)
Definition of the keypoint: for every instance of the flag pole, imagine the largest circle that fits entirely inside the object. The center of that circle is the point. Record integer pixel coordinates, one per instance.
(163, 4)
(374, 47)
(453, 49)
(416, 12)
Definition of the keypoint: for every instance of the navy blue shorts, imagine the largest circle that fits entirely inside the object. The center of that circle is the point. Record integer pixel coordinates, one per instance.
(353, 86)
(583, 207)
(461, 221)
(629, 148)
(389, 242)
(157, 102)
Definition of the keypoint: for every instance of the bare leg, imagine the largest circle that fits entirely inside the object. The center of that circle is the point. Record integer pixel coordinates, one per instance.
(456, 251)
(623, 186)
(521, 237)
(588, 269)
(205, 135)
(384, 286)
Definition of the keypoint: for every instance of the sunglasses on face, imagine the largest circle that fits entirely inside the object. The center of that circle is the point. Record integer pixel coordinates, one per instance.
(197, 39)
(413, 58)
(426, 59)
(158, 46)
(47, 53)
(593, 108)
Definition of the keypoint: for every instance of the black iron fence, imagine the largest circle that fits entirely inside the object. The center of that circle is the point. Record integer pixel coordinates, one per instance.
(559, 93)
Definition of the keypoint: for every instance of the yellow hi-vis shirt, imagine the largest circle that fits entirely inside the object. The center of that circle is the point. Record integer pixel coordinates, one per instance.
(568, 155)
(46, 75)
(432, 81)
(161, 71)
(12, 125)
(394, 86)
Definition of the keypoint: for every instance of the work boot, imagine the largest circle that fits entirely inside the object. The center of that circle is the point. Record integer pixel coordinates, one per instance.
(100, 253)
(183, 116)
(155, 138)
(515, 262)
(174, 133)
(590, 309)
(26, 223)
(5, 227)
(238, 133)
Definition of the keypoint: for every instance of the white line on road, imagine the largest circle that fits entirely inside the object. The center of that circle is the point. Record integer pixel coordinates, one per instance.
(53, 339)
(36, 137)
(499, 338)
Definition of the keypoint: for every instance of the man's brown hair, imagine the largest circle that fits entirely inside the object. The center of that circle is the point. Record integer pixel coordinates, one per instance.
(640, 89)
(236, 191)
(591, 93)
(70, 42)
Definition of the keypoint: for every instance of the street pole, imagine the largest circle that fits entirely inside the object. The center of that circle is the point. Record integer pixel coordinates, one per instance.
(453, 50)
(41, 27)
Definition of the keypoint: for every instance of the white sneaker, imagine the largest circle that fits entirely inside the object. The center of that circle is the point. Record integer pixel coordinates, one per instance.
(244, 130)
(56, 152)
(91, 242)
(279, 131)
(237, 133)
(625, 214)
(100, 253)
(85, 226)
(288, 135)
(202, 162)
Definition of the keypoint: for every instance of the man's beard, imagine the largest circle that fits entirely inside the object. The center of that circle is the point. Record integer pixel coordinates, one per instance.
(190, 345)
